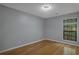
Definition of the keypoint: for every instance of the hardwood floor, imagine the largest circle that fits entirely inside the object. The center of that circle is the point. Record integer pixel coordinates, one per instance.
(45, 47)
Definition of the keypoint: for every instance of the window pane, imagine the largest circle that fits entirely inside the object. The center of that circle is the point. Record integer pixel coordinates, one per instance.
(70, 29)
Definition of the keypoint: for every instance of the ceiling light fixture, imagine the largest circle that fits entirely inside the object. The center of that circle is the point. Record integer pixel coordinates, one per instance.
(46, 7)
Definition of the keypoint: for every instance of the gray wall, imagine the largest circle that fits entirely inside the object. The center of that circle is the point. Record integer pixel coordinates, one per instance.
(17, 28)
(54, 28)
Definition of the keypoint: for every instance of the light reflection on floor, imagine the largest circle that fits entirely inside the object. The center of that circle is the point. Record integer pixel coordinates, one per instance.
(69, 51)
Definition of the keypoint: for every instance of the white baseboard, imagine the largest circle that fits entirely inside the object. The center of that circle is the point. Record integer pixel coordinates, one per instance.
(62, 42)
(35, 42)
(20, 46)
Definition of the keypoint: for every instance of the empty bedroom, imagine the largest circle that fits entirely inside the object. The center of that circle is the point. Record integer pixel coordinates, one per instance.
(39, 28)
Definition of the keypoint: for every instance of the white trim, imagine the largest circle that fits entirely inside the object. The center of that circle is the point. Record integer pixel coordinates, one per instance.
(35, 42)
(61, 42)
(20, 46)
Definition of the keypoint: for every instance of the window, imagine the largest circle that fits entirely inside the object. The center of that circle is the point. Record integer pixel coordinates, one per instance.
(70, 29)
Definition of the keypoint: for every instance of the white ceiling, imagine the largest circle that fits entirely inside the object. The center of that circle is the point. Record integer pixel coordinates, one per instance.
(35, 8)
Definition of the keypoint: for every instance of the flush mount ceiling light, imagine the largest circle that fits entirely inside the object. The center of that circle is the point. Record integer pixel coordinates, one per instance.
(46, 7)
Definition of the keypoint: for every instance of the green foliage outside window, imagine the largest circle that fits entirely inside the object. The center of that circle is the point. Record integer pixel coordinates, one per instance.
(70, 29)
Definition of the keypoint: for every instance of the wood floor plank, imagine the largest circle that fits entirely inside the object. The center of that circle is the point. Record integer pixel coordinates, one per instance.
(45, 47)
